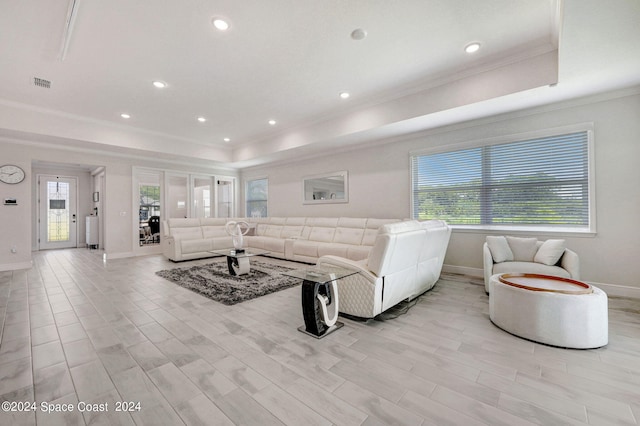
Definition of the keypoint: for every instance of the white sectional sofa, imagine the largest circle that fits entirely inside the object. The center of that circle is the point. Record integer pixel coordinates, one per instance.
(303, 239)
(405, 261)
(192, 238)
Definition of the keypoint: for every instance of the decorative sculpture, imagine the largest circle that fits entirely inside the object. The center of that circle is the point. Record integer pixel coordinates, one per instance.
(237, 230)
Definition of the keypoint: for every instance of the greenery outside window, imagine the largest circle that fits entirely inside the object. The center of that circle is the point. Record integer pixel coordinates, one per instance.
(256, 197)
(541, 184)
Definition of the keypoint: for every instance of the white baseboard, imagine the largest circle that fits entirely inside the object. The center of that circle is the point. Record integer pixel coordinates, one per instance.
(121, 255)
(618, 290)
(16, 266)
(463, 270)
(610, 289)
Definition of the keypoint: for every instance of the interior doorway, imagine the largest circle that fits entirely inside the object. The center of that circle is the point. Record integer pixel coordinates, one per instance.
(58, 216)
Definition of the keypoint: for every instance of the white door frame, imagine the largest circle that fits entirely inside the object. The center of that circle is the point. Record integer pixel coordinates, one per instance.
(72, 242)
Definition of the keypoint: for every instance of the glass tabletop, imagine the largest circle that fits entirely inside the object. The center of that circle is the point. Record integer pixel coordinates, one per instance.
(321, 274)
(234, 253)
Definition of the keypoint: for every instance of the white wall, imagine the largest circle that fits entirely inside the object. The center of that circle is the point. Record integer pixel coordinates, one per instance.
(379, 186)
(17, 223)
(83, 194)
(379, 182)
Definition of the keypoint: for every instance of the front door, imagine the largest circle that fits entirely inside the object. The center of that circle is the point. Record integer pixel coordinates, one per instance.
(58, 215)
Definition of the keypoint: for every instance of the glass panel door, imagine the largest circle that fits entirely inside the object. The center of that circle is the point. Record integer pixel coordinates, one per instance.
(149, 207)
(202, 197)
(225, 197)
(177, 195)
(58, 216)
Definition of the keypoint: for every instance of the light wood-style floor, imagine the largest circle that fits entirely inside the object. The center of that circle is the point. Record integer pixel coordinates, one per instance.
(80, 331)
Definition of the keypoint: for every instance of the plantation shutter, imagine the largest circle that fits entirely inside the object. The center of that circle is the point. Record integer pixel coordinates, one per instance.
(536, 182)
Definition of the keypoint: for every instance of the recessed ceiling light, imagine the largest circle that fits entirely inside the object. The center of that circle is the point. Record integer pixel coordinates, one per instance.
(472, 47)
(226, 140)
(272, 122)
(220, 24)
(358, 34)
(201, 119)
(160, 84)
(344, 95)
(125, 115)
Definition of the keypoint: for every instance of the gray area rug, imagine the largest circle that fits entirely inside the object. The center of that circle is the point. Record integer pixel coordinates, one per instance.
(213, 281)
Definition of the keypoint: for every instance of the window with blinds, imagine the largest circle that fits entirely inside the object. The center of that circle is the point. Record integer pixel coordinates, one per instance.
(535, 183)
(256, 197)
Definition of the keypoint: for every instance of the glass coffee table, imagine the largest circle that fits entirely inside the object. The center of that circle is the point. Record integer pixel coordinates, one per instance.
(238, 260)
(319, 290)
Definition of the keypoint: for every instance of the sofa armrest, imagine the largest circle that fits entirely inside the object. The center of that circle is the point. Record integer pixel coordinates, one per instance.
(571, 262)
(171, 248)
(341, 262)
(487, 260)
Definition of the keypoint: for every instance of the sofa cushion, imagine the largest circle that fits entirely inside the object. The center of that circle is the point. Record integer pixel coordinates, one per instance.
(550, 252)
(327, 222)
(322, 234)
(180, 222)
(371, 231)
(305, 248)
(499, 248)
(529, 268)
(358, 252)
(352, 222)
(273, 231)
(291, 231)
(189, 233)
(524, 249)
(196, 246)
(214, 221)
(275, 245)
(214, 231)
(296, 221)
(325, 249)
(348, 235)
(277, 220)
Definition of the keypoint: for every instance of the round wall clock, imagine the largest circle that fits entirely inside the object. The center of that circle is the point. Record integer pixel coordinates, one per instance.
(11, 174)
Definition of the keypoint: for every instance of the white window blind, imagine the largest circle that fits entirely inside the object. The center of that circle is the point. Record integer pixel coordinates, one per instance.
(541, 182)
(256, 197)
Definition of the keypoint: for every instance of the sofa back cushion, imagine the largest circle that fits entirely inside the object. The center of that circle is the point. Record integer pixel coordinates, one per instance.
(352, 236)
(272, 231)
(371, 230)
(524, 249)
(184, 228)
(350, 230)
(291, 231)
(397, 247)
(327, 222)
(320, 229)
(296, 221)
(499, 248)
(215, 221)
(214, 231)
(550, 252)
(321, 234)
(190, 233)
(437, 239)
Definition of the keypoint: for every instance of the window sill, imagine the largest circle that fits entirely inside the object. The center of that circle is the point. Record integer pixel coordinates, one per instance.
(523, 230)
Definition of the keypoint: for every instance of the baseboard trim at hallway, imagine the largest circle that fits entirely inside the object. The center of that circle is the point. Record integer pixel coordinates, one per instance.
(16, 266)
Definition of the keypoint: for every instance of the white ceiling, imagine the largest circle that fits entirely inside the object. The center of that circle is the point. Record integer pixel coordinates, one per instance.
(288, 60)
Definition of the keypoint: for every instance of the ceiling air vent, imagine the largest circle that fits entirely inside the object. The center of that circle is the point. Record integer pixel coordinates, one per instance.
(42, 82)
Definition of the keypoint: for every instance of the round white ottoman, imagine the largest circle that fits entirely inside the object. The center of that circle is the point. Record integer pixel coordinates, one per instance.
(551, 310)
